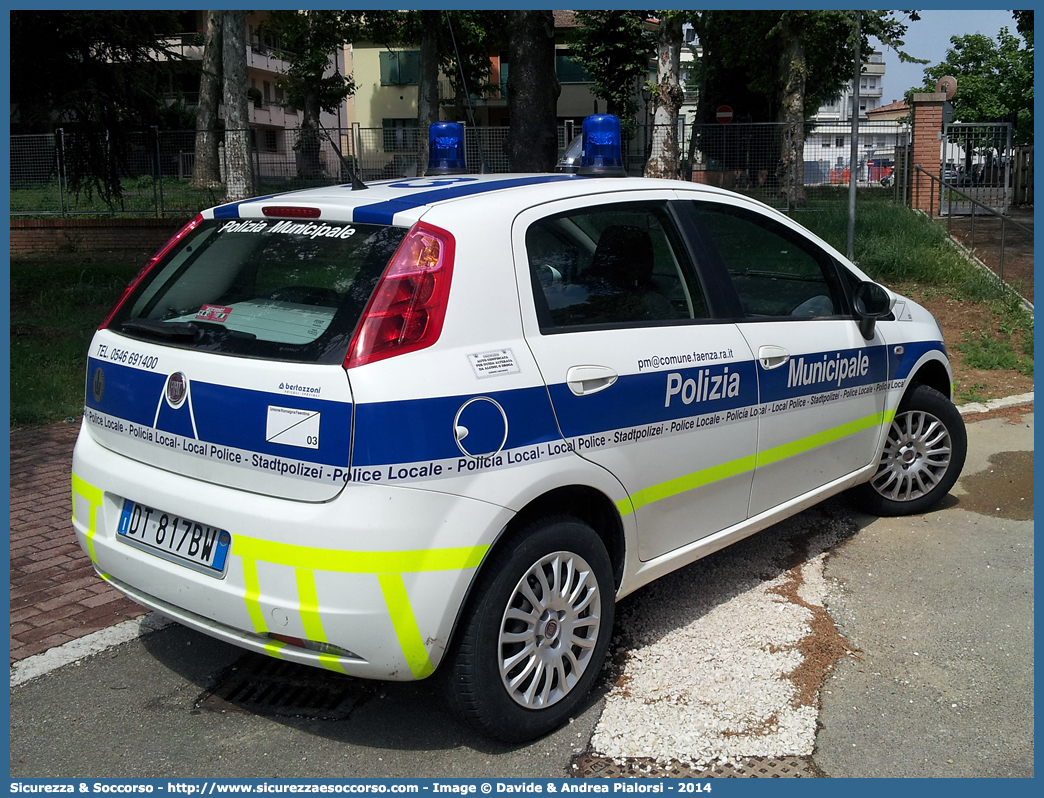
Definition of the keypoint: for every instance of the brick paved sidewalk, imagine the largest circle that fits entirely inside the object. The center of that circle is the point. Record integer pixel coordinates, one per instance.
(55, 594)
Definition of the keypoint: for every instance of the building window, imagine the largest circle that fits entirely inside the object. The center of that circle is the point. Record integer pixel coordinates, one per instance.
(400, 67)
(400, 135)
(569, 70)
(271, 140)
(826, 141)
(839, 142)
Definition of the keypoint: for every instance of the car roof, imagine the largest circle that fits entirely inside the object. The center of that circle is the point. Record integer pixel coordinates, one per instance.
(402, 202)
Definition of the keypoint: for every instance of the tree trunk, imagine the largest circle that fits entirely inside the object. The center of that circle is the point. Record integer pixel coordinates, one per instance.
(793, 71)
(309, 141)
(206, 171)
(663, 160)
(533, 89)
(428, 90)
(309, 166)
(239, 181)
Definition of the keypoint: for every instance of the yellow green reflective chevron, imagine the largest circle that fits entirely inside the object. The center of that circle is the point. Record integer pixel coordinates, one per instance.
(309, 605)
(93, 496)
(706, 476)
(387, 565)
(406, 629)
(253, 594)
(359, 562)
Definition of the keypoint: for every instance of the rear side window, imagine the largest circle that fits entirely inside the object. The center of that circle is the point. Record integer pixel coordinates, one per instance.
(265, 288)
(611, 265)
(775, 273)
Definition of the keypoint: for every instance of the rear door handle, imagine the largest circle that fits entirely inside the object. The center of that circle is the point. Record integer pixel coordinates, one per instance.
(772, 357)
(586, 380)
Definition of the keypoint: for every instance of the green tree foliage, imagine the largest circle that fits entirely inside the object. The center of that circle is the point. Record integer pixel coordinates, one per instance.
(614, 47)
(994, 80)
(1024, 25)
(312, 82)
(744, 67)
(781, 66)
(94, 74)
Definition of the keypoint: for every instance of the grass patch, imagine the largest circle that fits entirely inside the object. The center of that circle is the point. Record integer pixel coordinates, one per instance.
(973, 393)
(56, 305)
(895, 245)
(983, 352)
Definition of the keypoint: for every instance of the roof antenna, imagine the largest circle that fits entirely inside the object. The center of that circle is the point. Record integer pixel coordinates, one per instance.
(357, 183)
(484, 169)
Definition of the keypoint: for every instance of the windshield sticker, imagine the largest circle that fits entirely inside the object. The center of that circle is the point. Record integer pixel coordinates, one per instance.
(308, 229)
(494, 364)
(215, 313)
(293, 427)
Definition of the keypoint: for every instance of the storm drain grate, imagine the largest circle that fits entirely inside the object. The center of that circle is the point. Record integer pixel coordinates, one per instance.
(795, 767)
(265, 686)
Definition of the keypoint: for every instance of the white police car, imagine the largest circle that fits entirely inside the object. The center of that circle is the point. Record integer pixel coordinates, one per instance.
(448, 421)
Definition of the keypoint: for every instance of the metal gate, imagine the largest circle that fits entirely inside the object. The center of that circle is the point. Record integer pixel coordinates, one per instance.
(976, 160)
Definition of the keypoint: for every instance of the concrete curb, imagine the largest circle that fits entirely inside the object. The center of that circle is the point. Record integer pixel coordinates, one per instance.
(54, 658)
(995, 404)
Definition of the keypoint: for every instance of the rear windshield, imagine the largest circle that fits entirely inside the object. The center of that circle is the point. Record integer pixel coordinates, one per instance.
(263, 288)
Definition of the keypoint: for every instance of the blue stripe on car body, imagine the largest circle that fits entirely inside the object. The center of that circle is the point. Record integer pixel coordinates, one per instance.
(384, 212)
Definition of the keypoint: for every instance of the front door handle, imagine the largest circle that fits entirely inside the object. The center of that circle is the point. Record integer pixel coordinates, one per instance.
(586, 380)
(772, 357)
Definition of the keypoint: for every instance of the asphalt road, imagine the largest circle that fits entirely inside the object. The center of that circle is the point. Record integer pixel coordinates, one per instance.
(940, 608)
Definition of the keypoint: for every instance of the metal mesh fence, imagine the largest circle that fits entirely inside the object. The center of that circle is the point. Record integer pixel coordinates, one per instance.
(761, 159)
(36, 178)
(156, 168)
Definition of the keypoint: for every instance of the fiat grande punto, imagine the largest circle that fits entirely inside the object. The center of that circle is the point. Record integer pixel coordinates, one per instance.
(444, 423)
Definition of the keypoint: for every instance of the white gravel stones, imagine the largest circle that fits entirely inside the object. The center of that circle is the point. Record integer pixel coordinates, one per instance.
(710, 648)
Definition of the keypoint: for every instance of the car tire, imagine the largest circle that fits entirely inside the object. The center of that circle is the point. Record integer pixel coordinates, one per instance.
(922, 457)
(527, 651)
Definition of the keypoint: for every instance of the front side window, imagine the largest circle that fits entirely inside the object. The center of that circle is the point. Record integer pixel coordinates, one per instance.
(281, 289)
(775, 273)
(611, 265)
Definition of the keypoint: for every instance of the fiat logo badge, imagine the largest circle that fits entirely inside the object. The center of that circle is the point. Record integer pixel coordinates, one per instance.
(177, 389)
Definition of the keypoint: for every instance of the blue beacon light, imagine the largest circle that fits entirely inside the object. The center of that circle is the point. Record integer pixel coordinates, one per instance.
(601, 153)
(446, 149)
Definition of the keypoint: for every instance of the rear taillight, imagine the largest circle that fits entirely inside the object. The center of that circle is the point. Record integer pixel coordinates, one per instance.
(148, 267)
(408, 306)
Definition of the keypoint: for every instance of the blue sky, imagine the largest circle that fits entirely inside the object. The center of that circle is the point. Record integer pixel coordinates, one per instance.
(930, 37)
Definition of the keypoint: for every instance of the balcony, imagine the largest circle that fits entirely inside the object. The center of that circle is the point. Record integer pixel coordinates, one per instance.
(496, 96)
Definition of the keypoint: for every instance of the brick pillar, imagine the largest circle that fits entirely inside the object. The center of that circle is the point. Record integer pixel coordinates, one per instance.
(927, 148)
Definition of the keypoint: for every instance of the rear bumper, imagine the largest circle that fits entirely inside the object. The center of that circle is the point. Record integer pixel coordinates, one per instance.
(374, 578)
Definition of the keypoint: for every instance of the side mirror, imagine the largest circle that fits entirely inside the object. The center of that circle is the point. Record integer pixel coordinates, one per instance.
(871, 302)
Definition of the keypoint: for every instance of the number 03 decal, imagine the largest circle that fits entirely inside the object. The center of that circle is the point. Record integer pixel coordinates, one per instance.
(293, 427)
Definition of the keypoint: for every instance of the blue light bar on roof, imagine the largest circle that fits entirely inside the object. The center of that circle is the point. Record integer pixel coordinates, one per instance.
(601, 153)
(446, 149)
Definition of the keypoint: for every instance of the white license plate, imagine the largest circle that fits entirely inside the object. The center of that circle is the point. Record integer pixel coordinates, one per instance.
(175, 538)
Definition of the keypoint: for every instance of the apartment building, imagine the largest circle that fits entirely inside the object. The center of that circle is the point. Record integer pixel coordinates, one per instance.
(273, 121)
